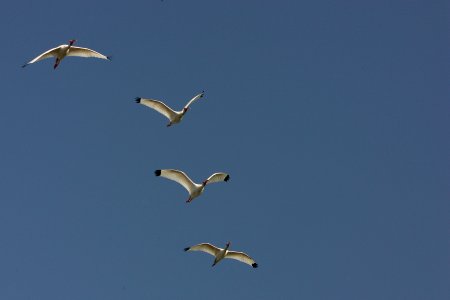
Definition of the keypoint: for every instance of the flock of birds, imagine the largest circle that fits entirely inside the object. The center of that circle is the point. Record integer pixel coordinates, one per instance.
(194, 189)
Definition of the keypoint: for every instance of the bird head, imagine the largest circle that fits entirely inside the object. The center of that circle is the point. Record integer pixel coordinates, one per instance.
(228, 245)
(71, 42)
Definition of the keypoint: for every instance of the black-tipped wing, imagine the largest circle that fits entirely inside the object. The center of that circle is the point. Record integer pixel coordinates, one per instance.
(85, 52)
(46, 54)
(177, 176)
(217, 177)
(159, 106)
(196, 97)
(242, 257)
(205, 247)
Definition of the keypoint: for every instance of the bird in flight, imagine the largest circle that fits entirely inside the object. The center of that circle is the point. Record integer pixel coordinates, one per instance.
(220, 253)
(193, 188)
(62, 51)
(173, 115)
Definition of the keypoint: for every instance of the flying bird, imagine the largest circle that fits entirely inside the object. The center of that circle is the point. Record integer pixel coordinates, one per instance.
(173, 115)
(193, 188)
(62, 51)
(220, 253)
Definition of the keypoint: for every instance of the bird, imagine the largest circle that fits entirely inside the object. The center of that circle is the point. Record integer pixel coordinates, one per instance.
(62, 51)
(220, 253)
(193, 188)
(173, 115)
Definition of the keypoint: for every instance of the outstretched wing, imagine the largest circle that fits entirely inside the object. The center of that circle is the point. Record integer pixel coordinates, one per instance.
(242, 257)
(218, 177)
(46, 54)
(178, 176)
(86, 52)
(158, 106)
(205, 247)
(196, 97)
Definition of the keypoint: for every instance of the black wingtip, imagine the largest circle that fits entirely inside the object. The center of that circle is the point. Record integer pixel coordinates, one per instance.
(202, 93)
(254, 265)
(109, 58)
(23, 66)
(186, 249)
(137, 99)
(158, 172)
(227, 178)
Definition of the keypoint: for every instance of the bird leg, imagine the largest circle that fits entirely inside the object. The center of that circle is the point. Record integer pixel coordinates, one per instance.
(56, 63)
(170, 124)
(189, 200)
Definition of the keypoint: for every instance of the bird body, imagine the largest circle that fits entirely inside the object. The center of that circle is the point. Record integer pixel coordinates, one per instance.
(173, 115)
(62, 51)
(193, 188)
(220, 253)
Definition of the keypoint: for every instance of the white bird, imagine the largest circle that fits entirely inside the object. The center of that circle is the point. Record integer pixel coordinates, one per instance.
(193, 188)
(66, 50)
(173, 115)
(220, 253)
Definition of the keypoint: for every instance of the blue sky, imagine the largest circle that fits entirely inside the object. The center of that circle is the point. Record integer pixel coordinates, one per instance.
(332, 119)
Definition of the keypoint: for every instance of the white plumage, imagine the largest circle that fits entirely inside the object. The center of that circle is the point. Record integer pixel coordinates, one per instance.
(173, 115)
(193, 188)
(62, 51)
(220, 253)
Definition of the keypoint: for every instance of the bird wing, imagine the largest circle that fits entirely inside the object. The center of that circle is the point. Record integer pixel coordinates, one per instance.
(196, 97)
(217, 177)
(178, 176)
(46, 54)
(242, 257)
(205, 247)
(85, 52)
(159, 107)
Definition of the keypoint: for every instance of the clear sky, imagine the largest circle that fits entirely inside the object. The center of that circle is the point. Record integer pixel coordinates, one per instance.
(332, 118)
